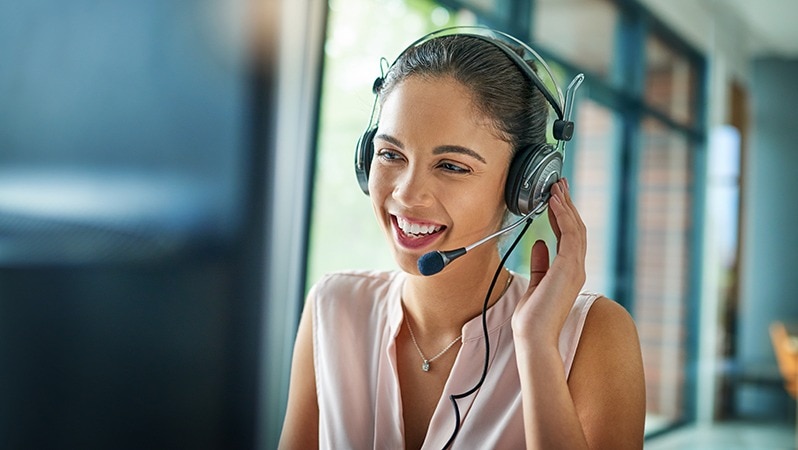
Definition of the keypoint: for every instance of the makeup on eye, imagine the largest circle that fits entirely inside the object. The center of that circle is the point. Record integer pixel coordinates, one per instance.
(438, 150)
(388, 155)
(454, 167)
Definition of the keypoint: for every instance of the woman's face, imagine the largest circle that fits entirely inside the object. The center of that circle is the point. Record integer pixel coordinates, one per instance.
(438, 175)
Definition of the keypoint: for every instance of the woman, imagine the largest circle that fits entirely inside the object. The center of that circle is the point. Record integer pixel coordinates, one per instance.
(378, 354)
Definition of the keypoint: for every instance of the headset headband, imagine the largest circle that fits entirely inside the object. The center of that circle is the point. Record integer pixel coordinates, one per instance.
(563, 128)
(503, 39)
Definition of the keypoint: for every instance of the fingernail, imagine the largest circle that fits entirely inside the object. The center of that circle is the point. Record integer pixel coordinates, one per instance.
(567, 186)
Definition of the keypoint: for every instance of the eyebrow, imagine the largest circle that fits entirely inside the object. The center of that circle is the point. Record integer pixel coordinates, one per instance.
(458, 149)
(439, 150)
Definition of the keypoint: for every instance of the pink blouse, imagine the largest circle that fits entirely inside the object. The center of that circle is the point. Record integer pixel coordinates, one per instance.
(356, 319)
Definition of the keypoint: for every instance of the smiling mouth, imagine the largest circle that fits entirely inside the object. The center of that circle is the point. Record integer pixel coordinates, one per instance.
(417, 230)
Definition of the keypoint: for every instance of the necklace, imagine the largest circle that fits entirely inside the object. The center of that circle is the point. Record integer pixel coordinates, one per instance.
(426, 361)
(425, 364)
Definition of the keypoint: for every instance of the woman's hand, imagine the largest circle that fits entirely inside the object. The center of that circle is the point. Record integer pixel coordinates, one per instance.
(542, 311)
(601, 402)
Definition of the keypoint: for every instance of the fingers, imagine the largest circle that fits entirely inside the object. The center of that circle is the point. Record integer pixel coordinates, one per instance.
(553, 287)
(539, 262)
(571, 236)
(553, 218)
(566, 222)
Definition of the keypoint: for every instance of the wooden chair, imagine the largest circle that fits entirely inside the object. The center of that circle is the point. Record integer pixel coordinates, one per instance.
(786, 349)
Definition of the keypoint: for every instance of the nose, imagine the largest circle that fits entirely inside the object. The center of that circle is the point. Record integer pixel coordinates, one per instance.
(413, 188)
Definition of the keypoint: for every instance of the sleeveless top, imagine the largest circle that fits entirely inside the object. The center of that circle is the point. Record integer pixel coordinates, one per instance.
(356, 318)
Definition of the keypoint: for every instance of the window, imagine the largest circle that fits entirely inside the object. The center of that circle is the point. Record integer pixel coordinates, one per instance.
(639, 132)
(594, 184)
(671, 82)
(579, 31)
(344, 233)
(662, 259)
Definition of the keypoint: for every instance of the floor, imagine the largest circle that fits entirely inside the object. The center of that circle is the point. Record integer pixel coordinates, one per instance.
(728, 436)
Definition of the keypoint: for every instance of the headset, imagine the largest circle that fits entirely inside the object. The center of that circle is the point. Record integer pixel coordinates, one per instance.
(535, 168)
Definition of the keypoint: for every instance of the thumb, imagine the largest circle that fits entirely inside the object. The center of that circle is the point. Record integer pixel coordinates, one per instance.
(539, 262)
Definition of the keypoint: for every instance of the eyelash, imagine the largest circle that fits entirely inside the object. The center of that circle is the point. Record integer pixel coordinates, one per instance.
(453, 168)
(388, 155)
(450, 167)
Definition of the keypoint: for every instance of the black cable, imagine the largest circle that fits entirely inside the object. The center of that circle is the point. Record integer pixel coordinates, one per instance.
(455, 397)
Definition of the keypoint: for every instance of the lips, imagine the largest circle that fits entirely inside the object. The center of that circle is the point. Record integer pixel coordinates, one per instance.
(415, 234)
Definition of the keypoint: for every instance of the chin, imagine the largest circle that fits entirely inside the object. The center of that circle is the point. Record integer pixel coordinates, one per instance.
(406, 262)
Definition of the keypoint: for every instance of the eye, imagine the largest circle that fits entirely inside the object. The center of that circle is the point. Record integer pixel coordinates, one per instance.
(453, 168)
(388, 155)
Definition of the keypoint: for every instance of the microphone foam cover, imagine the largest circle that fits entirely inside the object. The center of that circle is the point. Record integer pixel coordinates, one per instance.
(431, 263)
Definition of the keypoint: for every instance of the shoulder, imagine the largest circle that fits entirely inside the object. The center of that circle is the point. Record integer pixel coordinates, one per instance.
(354, 284)
(354, 294)
(607, 326)
(609, 344)
(607, 379)
(595, 327)
(609, 320)
(345, 278)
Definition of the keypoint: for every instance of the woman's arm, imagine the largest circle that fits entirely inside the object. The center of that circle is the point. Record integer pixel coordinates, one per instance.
(301, 426)
(602, 405)
(607, 383)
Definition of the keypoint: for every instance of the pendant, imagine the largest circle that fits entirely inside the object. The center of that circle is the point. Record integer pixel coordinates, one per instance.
(425, 366)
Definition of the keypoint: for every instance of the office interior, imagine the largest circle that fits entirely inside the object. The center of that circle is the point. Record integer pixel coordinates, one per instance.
(175, 175)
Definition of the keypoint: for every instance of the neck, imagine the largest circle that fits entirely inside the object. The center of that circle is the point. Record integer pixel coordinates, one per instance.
(441, 304)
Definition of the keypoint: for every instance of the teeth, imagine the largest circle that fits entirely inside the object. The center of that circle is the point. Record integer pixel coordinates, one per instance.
(415, 228)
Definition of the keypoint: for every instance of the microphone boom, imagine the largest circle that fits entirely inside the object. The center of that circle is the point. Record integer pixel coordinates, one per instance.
(433, 262)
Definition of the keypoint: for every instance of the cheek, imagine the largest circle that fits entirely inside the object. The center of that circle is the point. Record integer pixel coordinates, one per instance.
(380, 188)
(377, 182)
(497, 201)
(487, 200)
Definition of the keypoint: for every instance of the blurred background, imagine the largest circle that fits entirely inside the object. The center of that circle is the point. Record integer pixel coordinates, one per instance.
(175, 175)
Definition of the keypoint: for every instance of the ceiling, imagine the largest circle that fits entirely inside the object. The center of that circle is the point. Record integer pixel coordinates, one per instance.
(772, 24)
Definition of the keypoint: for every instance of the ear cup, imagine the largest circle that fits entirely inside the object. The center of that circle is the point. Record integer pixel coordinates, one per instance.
(364, 151)
(532, 173)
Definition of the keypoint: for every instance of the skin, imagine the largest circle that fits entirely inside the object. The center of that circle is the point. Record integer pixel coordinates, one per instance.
(439, 163)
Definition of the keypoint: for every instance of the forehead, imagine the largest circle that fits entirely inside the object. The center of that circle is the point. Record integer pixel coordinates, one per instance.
(437, 105)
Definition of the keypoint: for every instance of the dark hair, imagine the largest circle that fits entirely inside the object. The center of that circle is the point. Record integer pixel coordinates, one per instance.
(502, 92)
